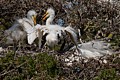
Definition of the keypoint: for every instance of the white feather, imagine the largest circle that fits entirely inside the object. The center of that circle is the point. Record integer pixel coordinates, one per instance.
(21, 28)
(28, 27)
(51, 39)
(94, 49)
(55, 30)
(15, 33)
(72, 33)
(32, 36)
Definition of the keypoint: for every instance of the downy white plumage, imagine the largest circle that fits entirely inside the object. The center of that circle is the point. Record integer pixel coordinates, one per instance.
(28, 25)
(54, 33)
(94, 49)
(15, 33)
(22, 28)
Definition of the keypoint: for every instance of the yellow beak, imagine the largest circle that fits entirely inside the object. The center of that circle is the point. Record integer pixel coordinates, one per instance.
(45, 16)
(34, 19)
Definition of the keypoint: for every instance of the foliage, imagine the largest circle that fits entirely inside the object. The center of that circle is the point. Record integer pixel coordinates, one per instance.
(107, 74)
(28, 67)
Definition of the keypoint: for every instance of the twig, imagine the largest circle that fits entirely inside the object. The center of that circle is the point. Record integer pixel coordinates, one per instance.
(13, 69)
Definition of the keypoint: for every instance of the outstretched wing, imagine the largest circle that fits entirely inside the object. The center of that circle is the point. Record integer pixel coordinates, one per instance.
(33, 33)
(30, 29)
(15, 32)
(32, 36)
(72, 33)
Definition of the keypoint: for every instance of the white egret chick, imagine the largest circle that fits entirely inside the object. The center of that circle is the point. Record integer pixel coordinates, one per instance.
(55, 34)
(28, 25)
(21, 28)
(50, 14)
(15, 34)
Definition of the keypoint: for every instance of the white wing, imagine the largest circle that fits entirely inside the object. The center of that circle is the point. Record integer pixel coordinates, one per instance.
(94, 49)
(90, 54)
(33, 33)
(26, 25)
(37, 26)
(15, 33)
(95, 44)
(29, 28)
(31, 37)
(72, 34)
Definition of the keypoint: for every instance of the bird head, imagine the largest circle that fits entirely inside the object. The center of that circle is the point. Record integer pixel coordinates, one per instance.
(49, 13)
(32, 15)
